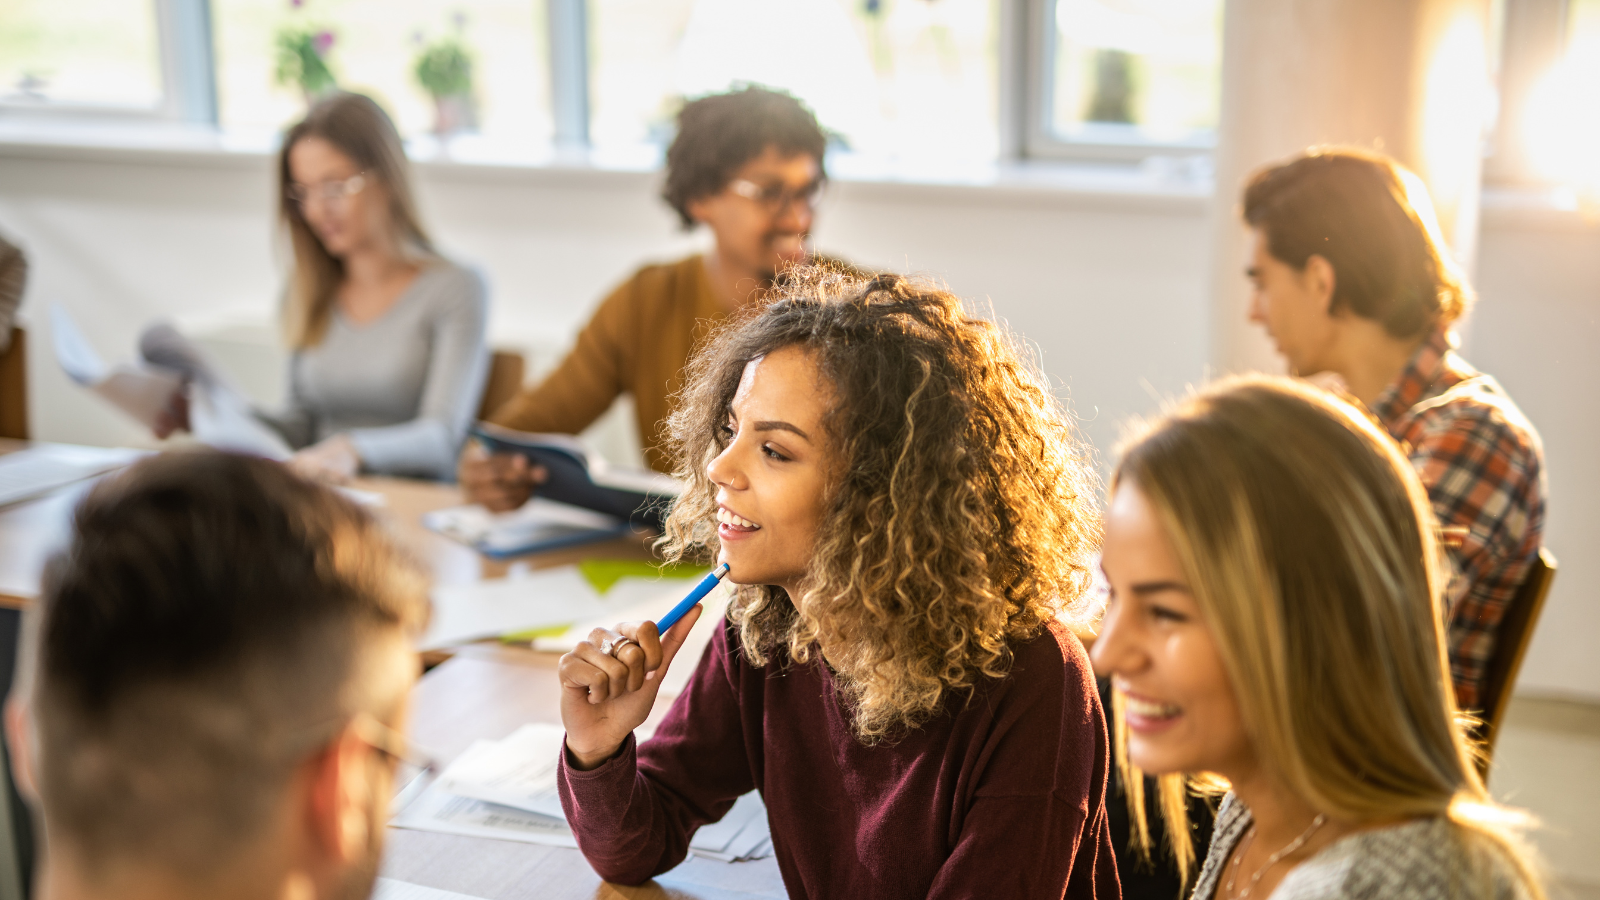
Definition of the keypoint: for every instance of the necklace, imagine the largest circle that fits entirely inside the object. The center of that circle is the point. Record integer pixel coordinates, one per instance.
(1274, 859)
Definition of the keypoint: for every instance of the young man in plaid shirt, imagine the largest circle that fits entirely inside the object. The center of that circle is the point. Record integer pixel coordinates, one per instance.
(1351, 279)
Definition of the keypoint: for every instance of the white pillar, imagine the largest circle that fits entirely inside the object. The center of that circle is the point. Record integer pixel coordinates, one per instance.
(1407, 77)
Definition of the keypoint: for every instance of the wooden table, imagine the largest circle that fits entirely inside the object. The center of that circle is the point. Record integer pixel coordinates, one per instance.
(483, 691)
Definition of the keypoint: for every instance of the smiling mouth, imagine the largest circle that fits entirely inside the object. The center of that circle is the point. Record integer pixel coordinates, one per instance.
(730, 519)
(1149, 709)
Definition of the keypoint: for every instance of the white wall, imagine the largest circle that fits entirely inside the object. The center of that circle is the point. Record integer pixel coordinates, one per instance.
(1109, 286)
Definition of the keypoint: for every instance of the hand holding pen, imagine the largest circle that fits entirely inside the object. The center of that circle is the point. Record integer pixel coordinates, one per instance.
(609, 682)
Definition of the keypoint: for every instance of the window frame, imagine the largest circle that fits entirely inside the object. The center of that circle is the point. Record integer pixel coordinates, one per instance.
(1533, 37)
(1037, 140)
(188, 76)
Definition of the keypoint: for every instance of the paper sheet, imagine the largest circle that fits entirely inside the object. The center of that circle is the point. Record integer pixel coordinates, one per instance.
(220, 418)
(518, 770)
(391, 889)
(441, 811)
(141, 393)
(514, 778)
(219, 415)
(465, 612)
(536, 522)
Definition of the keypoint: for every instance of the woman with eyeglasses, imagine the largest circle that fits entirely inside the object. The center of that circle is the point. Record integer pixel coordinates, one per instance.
(749, 166)
(387, 336)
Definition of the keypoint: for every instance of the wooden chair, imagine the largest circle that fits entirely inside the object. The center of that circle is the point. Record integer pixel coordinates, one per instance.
(14, 387)
(506, 370)
(1510, 644)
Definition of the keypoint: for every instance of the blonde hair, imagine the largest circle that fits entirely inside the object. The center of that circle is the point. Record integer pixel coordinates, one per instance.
(961, 512)
(1310, 547)
(361, 130)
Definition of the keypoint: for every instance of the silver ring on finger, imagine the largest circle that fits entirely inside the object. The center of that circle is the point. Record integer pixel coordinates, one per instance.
(611, 647)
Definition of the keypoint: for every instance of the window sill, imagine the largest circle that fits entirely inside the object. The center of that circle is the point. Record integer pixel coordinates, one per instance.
(1154, 186)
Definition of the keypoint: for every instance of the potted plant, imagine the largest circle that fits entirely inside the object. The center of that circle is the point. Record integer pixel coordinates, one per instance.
(302, 57)
(444, 69)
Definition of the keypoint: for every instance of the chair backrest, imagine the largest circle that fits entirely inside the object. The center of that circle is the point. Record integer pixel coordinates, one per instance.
(14, 387)
(506, 370)
(1510, 645)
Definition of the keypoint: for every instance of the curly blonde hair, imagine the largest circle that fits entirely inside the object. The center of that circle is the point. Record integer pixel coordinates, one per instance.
(961, 513)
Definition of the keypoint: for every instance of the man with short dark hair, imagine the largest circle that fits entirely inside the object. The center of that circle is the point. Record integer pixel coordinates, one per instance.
(1351, 278)
(215, 685)
(749, 166)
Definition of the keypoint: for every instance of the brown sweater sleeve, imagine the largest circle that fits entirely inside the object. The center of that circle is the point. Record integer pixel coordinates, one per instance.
(584, 385)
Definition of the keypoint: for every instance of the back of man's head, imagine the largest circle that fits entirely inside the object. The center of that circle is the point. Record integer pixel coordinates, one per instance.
(1372, 221)
(719, 133)
(213, 622)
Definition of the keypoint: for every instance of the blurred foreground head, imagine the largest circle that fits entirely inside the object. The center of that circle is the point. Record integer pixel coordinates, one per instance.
(220, 654)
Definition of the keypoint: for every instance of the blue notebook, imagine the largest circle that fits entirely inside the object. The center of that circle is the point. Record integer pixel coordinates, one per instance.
(580, 478)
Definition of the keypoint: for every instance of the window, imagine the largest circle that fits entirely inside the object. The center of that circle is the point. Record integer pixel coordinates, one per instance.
(1128, 76)
(918, 84)
(1560, 129)
(88, 53)
(898, 79)
(373, 46)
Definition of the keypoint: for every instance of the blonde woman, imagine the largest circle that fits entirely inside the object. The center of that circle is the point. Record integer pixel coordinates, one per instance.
(1273, 623)
(904, 507)
(387, 337)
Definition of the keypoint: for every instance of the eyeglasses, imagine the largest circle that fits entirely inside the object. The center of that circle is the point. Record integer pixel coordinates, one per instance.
(411, 765)
(327, 191)
(775, 198)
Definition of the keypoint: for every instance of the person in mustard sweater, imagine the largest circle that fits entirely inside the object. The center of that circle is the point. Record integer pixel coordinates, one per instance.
(749, 166)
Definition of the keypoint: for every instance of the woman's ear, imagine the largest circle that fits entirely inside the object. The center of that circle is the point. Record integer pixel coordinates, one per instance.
(1320, 280)
(19, 744)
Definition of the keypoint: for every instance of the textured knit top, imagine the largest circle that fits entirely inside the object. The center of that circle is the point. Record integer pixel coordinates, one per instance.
(405, 386)
(1424, 859)
(1001, 795)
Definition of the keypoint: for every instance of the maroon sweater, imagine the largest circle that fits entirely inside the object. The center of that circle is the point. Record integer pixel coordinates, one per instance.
(1002, 796)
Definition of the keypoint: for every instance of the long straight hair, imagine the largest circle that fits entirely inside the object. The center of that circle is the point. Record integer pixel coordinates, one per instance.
(360, 129)
(1310, 546)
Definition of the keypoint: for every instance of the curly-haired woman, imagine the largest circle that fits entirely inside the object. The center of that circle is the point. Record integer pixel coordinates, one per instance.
(901, 500)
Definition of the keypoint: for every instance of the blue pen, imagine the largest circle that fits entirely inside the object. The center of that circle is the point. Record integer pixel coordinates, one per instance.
(695, 596)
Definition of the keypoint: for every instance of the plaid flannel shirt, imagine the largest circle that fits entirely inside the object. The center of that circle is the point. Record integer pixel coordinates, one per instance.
(1483, 466)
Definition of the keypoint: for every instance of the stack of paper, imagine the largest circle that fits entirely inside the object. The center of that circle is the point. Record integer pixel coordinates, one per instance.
(557, 598)
(482, 609)
(537, 525)
(506, 789)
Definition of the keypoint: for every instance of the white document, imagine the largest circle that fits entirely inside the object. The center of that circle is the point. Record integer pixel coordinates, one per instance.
(508, 789)
(440, 811)
(531, 524)
(481, 609)
(141, 393)
(219, 415)
(518, 770)
(40, 469)
(223, 419)
(391, 889)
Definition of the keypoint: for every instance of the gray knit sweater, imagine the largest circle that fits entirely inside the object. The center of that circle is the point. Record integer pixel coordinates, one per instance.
(404, 387)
